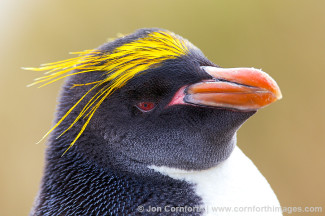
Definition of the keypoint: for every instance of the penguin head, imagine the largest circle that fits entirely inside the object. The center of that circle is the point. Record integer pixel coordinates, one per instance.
(153, 98)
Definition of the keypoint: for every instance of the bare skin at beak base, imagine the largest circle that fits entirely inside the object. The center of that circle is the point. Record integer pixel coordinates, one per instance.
(244, 89)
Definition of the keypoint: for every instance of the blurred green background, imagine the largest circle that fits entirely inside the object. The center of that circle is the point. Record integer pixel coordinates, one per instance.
(286, 38)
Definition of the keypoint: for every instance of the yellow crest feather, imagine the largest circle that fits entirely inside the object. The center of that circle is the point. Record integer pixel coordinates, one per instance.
(118, 66)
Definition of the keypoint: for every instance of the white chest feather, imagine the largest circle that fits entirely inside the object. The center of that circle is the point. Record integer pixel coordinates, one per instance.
(235, 183)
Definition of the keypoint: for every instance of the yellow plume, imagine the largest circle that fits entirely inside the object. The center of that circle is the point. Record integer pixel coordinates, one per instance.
(118, 66)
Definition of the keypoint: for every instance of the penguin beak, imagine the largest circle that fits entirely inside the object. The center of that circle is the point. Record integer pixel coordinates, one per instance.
(244, 89)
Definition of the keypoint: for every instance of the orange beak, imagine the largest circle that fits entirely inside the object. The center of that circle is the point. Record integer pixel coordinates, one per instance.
(244, 89)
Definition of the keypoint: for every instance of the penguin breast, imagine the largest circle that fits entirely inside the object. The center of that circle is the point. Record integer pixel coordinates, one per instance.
(232, 187)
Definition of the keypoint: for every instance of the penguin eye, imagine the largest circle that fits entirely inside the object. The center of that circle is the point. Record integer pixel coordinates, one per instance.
(146, 106)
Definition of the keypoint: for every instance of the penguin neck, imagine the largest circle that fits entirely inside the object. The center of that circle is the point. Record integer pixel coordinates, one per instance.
(92, 151)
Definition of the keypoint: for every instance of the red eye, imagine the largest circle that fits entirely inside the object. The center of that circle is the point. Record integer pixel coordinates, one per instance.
(146, 106)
